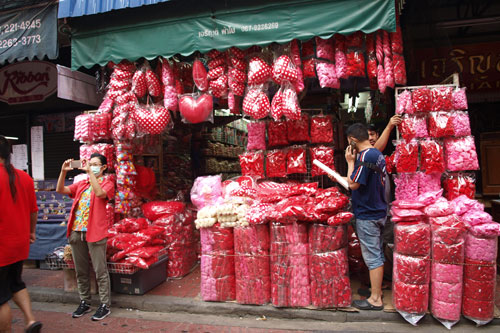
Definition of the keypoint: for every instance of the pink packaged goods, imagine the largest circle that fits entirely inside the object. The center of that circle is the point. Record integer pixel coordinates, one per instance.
(429, 182)
(446, 273)
(256, 136)
(445, 311)
(446, 292)
(460, 154)
(461, 124)
(478, 248)
(460, 99)
(405, 103)
(406, 186)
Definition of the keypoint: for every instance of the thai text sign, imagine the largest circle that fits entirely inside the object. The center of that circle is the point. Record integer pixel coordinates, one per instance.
(29, 33)
(478, 65)
(27, 82)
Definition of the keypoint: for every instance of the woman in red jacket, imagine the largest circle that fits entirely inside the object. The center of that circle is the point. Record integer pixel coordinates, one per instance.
(87, 230)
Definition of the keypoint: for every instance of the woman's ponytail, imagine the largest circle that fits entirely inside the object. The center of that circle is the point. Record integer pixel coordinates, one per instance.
(5, 155)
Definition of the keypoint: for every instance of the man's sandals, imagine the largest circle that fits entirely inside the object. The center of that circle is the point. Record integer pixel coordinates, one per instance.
(363, 304)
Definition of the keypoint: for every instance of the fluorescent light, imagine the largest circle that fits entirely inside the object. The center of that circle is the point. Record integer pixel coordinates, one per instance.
(11, 138)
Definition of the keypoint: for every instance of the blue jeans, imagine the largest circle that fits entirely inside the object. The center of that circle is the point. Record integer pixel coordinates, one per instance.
(370, 236)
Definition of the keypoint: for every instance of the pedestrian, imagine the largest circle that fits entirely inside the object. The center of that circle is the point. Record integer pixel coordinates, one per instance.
(18, 218)
(87, 231)
(366, 178)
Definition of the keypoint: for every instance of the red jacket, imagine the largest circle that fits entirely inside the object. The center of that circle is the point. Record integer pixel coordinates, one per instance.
(97, 227)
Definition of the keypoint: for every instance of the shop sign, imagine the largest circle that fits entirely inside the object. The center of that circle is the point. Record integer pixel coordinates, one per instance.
(478, 65)
(28, 33)
(27, 82)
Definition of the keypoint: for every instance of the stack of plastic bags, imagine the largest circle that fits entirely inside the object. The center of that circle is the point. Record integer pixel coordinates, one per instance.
(328, 266)
(289, 265)
(253, 280)
(412, 265)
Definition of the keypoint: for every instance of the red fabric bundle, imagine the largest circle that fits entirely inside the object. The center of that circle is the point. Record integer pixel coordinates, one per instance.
(431, 156)
(412, 239)
(332, 205)
(325, 238)
(457, 184)
(298, 130)
(321, 129)
(406, 156)
(277, 133)
(308, 58)
(410, 298)
(449, 254)
(442, 99)
(145, 252)
(276, 163)
(482, 310)
(440, 124)
(412, 270)
(252, 164)
(479, 290)
(296, 160)
(399, 64)
(422, 99)
(324, 155)
(156, 209)
(479, 270)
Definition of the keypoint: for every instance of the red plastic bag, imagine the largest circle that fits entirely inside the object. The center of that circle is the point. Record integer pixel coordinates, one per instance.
(406, 156)
(145, 252)
(298, 130)
(256, 103)
(441, 124)
(252, 164)
(276, 163)
(324, 155)
(200, 75)
(321, 129)
(284, 70)
(296, 160)
(277, 133)
(442, 99)
(422, 99)
(156, 209)
(431, 156)
(130, 225)
(340, 218)
(413, 239)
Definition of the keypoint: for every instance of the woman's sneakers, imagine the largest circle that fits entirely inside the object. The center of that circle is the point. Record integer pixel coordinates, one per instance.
(82, 309)
(102, 312)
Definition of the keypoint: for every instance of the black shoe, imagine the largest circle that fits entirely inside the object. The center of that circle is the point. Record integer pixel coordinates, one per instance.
(83, 308)
(102, 312)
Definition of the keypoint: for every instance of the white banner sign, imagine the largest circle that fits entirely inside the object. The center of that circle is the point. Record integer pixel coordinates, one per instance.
(38, 168)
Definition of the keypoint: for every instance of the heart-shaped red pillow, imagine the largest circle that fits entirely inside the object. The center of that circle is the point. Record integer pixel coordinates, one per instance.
(259, 71)
(139, 85)
(200, 75)
(154, 84)
(196, 110)
(152, 120)
(284, 69)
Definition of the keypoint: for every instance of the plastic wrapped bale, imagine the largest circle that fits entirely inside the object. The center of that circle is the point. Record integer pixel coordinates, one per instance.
(328, 266)
(289, 265)
(253, 279)
(412, 239)
(217, 264)
(478, 303)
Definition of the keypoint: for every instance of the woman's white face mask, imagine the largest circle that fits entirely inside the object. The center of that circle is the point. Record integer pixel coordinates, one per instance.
(95, 169)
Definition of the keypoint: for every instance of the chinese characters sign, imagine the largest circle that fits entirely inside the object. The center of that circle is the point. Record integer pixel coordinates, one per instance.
(29, 33)
(478, 65)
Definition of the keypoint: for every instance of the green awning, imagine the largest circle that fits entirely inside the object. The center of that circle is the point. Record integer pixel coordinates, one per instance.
(183, 27)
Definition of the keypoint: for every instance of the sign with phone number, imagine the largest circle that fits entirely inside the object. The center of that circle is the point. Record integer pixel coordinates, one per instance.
(28, 34)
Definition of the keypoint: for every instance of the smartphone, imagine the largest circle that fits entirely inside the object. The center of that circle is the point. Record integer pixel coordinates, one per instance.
(353, 146)
(76, 164)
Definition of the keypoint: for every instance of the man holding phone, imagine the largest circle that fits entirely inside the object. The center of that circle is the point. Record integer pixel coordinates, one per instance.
(366, 178)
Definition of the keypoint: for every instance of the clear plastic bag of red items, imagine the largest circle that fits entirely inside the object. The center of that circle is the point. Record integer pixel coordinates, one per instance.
(298, 130)
(308, 55)
(259, 71)
(422, 99)
(327, 74)
(460, 154)
(145, 252)
(407, 127)
(355, 64)
(102, 126)
(390, 167)
(154, 210)
(284, 69)
(413, 239)
(141, 262)
(410, 300)
(130, 225)
(277, 134)
(406, 157)
(431, 156)
(456, 184)
(276, 163)
(442, 99)
(441, 124)
(460, 99)
(404, 103)
(324, 155)
(286, 103)
(332, 205)
(256, 136)
(340, 218)
(398, 61)
(252, 164)
(461, 124)
(200, 75)
(321, 129)
(324, 49)
(296, 160)
(412, 270)
(256, 103)
(83, 128)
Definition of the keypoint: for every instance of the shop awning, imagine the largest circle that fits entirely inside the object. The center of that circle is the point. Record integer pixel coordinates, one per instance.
(183, 27)
(75, 8)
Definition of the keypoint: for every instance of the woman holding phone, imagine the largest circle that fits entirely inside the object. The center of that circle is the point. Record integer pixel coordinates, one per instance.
(88, 228)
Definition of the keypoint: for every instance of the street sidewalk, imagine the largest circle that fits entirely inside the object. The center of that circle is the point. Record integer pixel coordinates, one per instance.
(182, 296)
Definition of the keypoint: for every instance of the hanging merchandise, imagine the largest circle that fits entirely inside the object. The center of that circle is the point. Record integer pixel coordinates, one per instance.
(169, 81)
(442, 99)
(459, 99)
(308, 55)
(196, 108)
(456, 184)
(256, 136)
(406, 157)
(151, 119)
(422, 99)
(285, 102)
(297, 61)
(460, 154)
(461, 124)
(324, 155)
(428, 182)
(277, 134)
(441, 124)
(404, 103)
(296, 160)
(379, 54)
(431, 156)
(252, 164)
(321, 129)
(139, 85)
(256, 103)
(327, 74)
(276, 163)
(259, 71)
(388, 64)
(354, 55)
(284, 70)
(298, 130)
(105, 149)
(406, 186)
(407, 127)
(200, 77)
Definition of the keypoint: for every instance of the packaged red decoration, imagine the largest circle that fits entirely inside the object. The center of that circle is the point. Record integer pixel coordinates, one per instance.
(406, 157)
(407, 127)
(152, 119)
(276, 163)
(398, 61)
(442, 99)
(295, 53)
(324, 49)
(308, 55)
(296, 160)
(256, 136)
(139, 85)
(256, 103)
(285, 102)
(340, 218)
(456, 184)
(298, 130)
(155, 210)
(321, 129)
(412, 239)
(284, 70)
(431, 156)
(411, 269)
(277, 134)
(327, 74)
(324, 155)
(340, 57)
(196, 108)
(441, 124)
(410, 298)
(355, 64)
(252, 164)
(422, 99)
(259, 71)
(200, 75)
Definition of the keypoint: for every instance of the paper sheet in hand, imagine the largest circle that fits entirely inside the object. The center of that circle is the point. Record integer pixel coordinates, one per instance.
(332, 173)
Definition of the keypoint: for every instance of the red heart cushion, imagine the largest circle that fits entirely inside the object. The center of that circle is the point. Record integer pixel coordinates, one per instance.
(196, 111)
(200, 75)
(258, 71)
(154, 85)
(284, 69)
(152, 121)
(256, 104)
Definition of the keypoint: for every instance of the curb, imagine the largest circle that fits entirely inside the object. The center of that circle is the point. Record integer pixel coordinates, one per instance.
(154, 303)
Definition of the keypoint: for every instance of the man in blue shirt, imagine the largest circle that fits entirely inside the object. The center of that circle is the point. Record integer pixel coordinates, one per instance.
(366, 178)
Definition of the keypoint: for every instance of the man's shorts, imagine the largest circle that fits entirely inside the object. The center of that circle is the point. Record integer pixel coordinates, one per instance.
(370, 234)
(10, 281)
